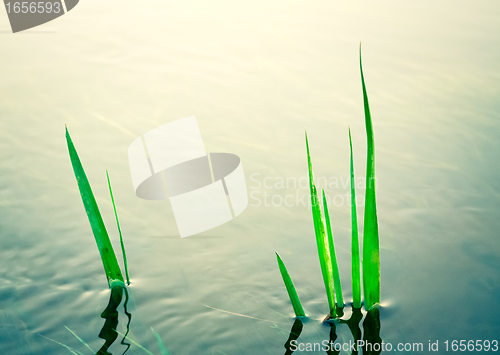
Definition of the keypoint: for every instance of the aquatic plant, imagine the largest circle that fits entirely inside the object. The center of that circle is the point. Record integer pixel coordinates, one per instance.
(371, 254)
(321, 238)
(333, 256)
(108, 257)
(324, 235)
(355, 264)
(292, 293)
(119, 231)
(112, 270)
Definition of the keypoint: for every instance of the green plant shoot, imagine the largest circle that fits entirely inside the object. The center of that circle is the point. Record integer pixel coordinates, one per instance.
(292, 292)
(355, 267)
(108, 256)
(119, 230)
(371, 255)
(321, 239)
(333, 257)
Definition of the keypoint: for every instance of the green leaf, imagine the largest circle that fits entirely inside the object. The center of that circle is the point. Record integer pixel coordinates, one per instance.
(333, 256)
(119, 230)
(108, 256)
(371, 255)
(355, 267)
(292, 293)
(321, 239)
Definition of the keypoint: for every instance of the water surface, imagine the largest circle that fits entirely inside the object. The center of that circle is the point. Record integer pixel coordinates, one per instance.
(255, 74)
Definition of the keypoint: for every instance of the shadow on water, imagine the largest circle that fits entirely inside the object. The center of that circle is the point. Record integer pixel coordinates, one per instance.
(108, 331)
(366, 341)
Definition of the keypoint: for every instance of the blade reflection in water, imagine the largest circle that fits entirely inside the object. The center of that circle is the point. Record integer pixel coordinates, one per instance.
(294, 335)
(108, 331)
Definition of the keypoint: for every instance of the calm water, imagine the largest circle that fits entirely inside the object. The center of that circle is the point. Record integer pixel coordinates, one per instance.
(255, 74)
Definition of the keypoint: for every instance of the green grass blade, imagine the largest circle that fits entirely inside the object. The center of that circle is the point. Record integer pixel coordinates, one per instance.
(292, 293)
(333, 256)
(371, 255)
(81, 340)
(355, 267)
(119, 230)
(163, 349)
(108, 256)
(321, 238)
(70, 349)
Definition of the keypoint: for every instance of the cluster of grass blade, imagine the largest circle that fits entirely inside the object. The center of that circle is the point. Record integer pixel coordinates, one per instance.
(326, 247)
(321, 238)
(324, 235)
(108, 257)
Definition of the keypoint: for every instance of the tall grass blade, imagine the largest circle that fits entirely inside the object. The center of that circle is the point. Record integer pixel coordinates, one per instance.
(292, 293)
(119, 230)
(108, 256)
(333, 256)
(321, 238)
(355, 267)
(163, 349)
(371, 255)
